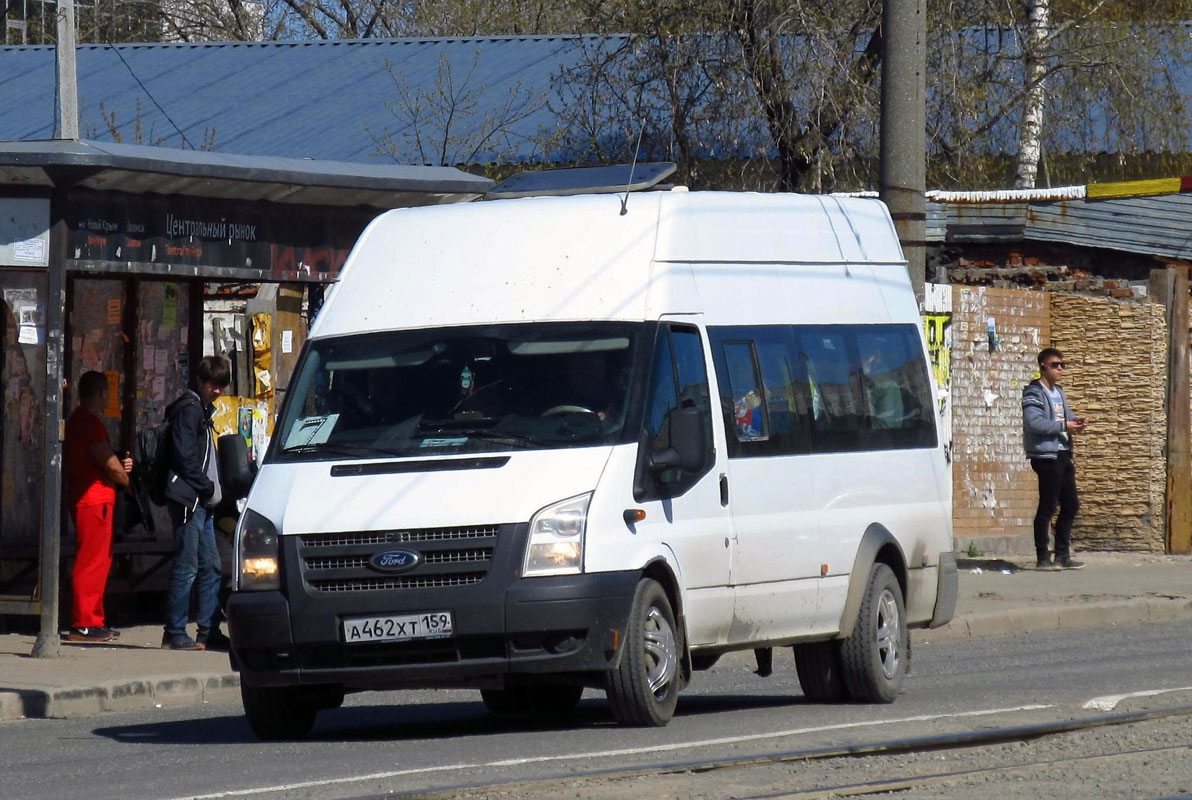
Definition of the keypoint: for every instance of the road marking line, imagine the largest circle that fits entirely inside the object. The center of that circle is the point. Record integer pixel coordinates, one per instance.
(290, 787)
(1109, 702)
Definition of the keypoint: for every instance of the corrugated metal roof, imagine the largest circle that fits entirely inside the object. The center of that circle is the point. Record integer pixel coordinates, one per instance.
(1160, 225)
(312, 99)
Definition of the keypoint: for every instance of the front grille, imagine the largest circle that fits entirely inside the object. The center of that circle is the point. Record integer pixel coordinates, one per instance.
(378, 584)
(397, 537)
(342, 561)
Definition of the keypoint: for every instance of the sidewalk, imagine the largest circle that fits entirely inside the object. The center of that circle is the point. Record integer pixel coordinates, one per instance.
(997, 597)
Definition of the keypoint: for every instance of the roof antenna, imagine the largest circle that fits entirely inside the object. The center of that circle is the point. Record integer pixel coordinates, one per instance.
(625, 199)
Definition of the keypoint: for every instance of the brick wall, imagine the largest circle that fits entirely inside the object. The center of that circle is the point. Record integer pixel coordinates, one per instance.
(1116, 352)
(993, 488)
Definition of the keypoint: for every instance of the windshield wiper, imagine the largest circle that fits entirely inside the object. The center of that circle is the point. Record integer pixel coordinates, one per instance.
(339, 449)
(504, 436)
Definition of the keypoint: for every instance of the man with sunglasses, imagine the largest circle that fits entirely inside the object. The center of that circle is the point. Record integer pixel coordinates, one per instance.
(1047, 428)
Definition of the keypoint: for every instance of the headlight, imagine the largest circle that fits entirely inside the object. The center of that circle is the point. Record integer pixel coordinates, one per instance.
(556, 541)
(257, 553)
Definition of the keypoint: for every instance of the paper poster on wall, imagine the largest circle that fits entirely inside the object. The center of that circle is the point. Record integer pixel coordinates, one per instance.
(32, 251)
(287, 341)
(29, 334)
(161, 361)
(158, 389)
(114, 311)
(113, 407)
(28, 314)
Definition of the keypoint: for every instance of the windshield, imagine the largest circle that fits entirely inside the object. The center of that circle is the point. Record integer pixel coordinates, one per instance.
(459, 390)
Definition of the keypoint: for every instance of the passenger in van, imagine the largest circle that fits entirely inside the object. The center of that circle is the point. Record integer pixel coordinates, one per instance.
(883, 394)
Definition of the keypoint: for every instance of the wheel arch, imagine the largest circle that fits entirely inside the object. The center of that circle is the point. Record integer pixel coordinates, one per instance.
(877, 545)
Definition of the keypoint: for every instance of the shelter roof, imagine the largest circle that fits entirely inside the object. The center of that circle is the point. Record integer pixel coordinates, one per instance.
(160, 170)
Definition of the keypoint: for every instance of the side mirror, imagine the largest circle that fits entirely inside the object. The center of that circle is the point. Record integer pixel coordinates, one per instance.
(688, 449)
(235, 470)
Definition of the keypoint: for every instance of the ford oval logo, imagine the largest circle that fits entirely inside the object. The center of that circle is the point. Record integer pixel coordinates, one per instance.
(395, 560)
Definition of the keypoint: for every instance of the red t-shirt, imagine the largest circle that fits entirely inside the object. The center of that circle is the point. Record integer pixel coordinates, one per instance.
(85, 481)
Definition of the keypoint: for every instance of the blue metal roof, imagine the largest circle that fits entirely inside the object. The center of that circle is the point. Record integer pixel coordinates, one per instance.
(313, 99)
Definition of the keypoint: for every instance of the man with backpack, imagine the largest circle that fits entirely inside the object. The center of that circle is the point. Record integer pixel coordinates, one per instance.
(192, 491)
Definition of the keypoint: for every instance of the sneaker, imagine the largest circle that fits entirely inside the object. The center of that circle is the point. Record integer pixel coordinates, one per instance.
(215, 640)
(1068, 563)
(92, 635)
(1046, 564)
(180, 642)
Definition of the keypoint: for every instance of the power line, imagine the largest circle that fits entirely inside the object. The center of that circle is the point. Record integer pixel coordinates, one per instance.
(150, 95)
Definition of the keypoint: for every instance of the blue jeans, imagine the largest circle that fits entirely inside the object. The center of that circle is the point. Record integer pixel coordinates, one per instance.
(196, 564)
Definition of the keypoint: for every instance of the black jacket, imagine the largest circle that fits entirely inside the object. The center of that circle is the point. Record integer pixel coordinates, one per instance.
(190, 427)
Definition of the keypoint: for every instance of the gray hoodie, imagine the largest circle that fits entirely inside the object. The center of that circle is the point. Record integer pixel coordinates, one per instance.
(1042, 433)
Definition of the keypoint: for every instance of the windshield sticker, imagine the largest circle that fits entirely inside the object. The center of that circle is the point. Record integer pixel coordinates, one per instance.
(312, 430)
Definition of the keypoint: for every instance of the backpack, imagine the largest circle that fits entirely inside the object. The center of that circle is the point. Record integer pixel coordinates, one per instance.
(154, 444)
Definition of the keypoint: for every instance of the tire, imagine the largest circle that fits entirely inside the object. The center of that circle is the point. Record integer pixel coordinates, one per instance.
(821, 672)
(550, 699)
(556, 700)
(278, 712)
(874, 657)
(644, 688)
(512, 700)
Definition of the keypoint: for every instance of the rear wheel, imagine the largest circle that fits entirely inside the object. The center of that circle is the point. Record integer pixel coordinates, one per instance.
(820, 672)
(874, 657)
(644, 687)
(278, 712)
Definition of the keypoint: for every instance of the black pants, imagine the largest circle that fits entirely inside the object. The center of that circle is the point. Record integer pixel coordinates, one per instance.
(1057, 487)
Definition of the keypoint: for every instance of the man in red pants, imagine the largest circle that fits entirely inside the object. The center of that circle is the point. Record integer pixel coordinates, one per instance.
(93, 472)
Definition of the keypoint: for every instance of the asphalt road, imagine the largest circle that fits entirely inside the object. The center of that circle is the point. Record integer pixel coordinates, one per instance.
(406, 742)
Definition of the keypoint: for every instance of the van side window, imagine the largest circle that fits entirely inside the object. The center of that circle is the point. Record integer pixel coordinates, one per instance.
(897, 391)
(678, 378)
(823, 388)
(745, 395)
(834, 386)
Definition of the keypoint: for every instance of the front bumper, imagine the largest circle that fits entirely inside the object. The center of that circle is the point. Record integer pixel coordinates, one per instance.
(549, 625)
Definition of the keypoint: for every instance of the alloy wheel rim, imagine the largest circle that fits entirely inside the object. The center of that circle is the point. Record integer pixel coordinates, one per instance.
(662, 652)
(888, 639)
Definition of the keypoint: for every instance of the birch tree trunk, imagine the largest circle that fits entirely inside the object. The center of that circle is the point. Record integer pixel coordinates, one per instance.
(1030, 136)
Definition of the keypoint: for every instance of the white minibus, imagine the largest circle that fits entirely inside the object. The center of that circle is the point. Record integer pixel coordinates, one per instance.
(537, 445)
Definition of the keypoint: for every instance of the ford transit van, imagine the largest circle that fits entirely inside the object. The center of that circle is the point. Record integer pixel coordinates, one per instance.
(537, 445)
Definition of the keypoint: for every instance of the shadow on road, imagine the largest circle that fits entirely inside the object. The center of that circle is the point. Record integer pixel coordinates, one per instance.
(422, 721)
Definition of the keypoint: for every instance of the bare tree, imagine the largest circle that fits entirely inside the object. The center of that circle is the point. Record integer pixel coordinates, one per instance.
(457, 121)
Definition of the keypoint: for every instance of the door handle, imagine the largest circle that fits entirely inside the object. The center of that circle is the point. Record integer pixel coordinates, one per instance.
(723, 490)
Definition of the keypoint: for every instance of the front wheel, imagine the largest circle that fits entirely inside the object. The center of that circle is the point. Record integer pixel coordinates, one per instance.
(278, 712)
(874, 657)
(644, 688)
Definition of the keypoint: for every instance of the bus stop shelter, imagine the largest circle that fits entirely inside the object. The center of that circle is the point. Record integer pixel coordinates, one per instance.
(105, 250)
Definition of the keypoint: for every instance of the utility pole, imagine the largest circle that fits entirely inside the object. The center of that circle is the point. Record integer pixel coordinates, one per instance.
(66, 127)
(904, 130)
(66, 86)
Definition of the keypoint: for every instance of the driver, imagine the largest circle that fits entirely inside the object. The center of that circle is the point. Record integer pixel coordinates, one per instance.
(587, 382)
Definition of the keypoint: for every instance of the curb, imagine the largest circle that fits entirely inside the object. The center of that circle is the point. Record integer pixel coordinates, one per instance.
(1052, 618)
(137, 695)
